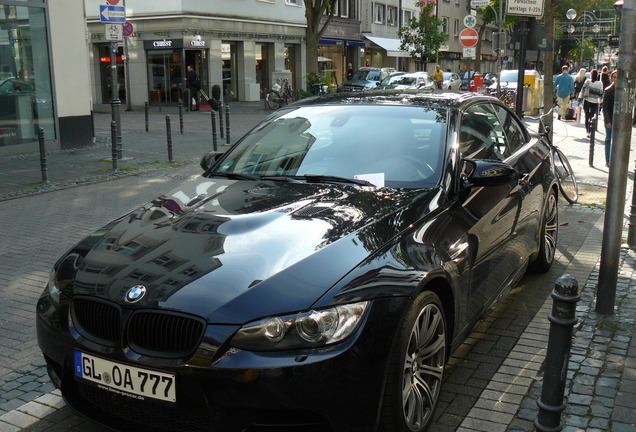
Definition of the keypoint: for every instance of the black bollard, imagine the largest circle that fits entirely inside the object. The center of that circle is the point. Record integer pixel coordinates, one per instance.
(43, 168)
(113, 140)
(227, 124)
(213, 115)
(146, 114)
(181, 116)
(221, 120)
(562, 320)
(169, 135)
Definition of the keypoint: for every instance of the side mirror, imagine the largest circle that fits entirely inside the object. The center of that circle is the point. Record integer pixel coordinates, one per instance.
(209, 159)
(489, 172)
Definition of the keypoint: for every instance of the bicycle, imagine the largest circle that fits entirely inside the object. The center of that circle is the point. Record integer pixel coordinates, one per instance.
(562, 169)
(280, 94)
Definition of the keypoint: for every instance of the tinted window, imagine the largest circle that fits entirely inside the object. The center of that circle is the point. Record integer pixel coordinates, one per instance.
(513, 131)
(481, 135)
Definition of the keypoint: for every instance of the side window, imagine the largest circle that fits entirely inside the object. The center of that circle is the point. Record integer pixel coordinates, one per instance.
(515, 136)
(481, 135)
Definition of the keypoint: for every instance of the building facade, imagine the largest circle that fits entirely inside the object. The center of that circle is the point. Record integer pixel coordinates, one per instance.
(239, 46)
(44, 76)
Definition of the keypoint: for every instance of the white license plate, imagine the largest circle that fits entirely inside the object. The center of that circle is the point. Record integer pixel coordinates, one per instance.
(124, 379)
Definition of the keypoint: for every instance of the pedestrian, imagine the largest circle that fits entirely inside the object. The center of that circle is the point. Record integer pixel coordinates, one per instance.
(564, 87)
(605, 76)
(438, 77)
(592, 95)
(349, 71)
(579, 80)
(608, 114)
(194, 85)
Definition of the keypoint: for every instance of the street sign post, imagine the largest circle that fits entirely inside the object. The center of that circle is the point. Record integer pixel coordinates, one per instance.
(479, 3)
(468, 37)
(112, 14)
(469, 52)
(470, 21)
(527, 8)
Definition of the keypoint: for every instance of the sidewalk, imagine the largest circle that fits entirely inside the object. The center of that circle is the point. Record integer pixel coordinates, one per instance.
(493, 380)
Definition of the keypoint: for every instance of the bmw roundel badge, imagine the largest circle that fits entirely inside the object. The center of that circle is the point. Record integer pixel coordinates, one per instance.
(135, 294)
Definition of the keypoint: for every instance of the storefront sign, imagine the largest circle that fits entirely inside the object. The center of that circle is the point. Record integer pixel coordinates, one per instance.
(197, 44)
(163, 44)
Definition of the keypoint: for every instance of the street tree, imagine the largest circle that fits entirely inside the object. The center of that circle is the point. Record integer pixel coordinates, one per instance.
(422, 36)
(319, 14)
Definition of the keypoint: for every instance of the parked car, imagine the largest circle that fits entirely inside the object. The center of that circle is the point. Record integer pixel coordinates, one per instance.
(490, 78)
(451, 81)
(510, 77)
(410, 80)
(320, 272)
(389, 80)
(366, 78)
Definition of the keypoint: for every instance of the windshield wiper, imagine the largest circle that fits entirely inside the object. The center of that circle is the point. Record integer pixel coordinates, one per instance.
(317, 178)
(233, 176)
(283, 178)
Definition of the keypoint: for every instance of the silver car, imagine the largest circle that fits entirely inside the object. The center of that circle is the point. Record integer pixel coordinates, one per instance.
(452, 81)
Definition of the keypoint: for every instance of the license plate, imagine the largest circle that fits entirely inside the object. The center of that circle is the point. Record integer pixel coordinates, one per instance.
(131, 381)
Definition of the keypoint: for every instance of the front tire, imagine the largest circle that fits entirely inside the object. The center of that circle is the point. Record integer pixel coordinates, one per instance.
(273, 100)
(548, 236)
(416, 367)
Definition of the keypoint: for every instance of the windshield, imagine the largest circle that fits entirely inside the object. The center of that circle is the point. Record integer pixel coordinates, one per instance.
(365, 74)
(392, 146)
(509, 75)
(391, 79)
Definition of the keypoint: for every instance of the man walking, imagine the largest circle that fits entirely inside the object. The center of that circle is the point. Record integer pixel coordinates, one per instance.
(438, 77)
(194, 84)
(564, 86)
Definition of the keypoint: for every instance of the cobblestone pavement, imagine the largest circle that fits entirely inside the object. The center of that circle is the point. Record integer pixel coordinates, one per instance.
(493, 380)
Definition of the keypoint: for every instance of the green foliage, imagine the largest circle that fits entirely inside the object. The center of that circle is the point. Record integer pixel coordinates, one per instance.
(422, 36)
(314, 80)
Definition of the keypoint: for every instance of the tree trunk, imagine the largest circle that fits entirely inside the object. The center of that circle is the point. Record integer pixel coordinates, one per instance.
(312, 54)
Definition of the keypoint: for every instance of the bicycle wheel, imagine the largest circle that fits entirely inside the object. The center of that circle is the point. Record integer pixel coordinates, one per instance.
(273, 100)
(565, 177)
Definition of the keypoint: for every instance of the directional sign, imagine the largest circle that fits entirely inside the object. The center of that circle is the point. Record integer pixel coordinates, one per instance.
(112, 14)
(127, 29)
(470, 21)
(468, 37)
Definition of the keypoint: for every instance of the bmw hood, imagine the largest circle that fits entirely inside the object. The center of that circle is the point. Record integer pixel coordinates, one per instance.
(232, 251)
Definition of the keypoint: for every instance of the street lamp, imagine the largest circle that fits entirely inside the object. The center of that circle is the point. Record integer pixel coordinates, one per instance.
(586, 17)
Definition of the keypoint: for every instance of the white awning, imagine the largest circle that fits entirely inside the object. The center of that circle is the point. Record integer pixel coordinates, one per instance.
(392, 46)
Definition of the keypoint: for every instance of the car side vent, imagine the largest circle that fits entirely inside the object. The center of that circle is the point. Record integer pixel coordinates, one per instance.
(164, 334)
(312, 210)
(96, 320)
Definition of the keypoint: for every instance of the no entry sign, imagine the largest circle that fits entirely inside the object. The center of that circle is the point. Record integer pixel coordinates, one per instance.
(468, 37)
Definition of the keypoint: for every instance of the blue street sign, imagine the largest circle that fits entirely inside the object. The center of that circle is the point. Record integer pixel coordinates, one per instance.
(112, 14)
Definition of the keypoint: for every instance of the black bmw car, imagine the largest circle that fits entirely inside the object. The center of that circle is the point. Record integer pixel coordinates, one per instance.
(317, 276)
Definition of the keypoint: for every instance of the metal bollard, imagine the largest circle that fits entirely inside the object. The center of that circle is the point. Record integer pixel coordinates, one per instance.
(227, 124)
(146, 114)
(181, 116)
(221, 105)
(113, 141)
(562, 320)
(43, 168)
(213, 115)
(169, 135)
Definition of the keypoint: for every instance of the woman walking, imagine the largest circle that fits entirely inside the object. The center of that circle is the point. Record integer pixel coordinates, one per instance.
(579, 80)
(592, 94)
(608, 114)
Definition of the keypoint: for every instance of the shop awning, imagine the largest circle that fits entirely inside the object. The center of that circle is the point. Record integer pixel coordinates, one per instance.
(392, 46)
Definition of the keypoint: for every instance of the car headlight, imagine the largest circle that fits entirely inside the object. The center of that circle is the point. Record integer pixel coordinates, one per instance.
(53, 289)
(310, 329)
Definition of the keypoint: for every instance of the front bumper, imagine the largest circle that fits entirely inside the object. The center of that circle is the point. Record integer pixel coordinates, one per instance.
(338, 388)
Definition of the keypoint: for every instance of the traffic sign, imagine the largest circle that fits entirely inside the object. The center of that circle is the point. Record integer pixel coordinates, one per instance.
(112, 2)
(112, 14)
(113, 32)
(468, 37)
(528, 8)
(469, 52)
(479, 3)
(127, 29)
(470, 21)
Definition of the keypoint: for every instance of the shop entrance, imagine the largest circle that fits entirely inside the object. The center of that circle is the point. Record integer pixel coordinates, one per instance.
(164, 76)
(198, 59)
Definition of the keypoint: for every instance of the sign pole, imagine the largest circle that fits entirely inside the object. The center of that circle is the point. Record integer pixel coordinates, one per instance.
(523, 36)
(114, 101)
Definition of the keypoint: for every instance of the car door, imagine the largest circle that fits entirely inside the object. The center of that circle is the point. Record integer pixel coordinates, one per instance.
(492, 212)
